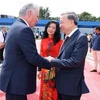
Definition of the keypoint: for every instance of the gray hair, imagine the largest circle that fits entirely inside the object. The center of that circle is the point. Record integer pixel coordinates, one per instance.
(27, 7)
(72, 15)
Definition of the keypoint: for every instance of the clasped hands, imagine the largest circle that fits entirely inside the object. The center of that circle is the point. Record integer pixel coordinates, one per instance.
(49, 58)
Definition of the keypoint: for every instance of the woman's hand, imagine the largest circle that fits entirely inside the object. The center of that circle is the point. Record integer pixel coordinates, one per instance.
(39, 75)
(2, 45)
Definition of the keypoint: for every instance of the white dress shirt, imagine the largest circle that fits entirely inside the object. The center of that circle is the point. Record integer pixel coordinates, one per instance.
(25, 21)
(1, 37)
(72, 32)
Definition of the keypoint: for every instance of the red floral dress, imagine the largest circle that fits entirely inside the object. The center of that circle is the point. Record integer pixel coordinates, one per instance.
(47, 86)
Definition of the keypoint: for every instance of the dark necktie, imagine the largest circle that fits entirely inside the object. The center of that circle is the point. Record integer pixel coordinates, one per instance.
(66, 38)
(4, 36)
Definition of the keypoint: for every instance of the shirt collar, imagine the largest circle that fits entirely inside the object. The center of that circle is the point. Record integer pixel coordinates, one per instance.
(25, 21)
(72, 32)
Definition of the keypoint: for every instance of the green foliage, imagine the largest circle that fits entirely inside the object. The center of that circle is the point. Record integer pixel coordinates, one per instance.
(54, 18)
(44, 13)
(98, 19)
(85, 16)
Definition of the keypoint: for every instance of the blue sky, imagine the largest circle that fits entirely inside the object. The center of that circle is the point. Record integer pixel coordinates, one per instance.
(12, 7)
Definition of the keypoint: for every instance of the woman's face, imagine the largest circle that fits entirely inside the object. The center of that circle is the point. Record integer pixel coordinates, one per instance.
(51, 29)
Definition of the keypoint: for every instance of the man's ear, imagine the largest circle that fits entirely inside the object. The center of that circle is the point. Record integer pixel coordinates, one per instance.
(72, 21)
(29, 12)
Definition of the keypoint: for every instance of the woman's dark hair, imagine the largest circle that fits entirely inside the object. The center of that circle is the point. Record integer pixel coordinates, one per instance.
(57, 34)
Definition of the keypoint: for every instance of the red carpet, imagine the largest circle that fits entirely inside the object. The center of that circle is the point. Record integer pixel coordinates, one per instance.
(92, 79)
(93, 82)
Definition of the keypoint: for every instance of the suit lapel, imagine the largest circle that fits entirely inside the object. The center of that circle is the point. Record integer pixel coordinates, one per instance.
(19, 19)
(69, 41)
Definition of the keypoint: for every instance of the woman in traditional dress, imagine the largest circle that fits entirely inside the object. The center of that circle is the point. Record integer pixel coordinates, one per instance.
(50, 46)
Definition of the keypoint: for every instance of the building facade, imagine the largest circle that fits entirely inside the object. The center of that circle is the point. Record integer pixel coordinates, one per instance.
(85, 27)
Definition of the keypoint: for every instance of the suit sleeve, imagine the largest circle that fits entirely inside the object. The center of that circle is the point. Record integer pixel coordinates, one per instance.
(26, 42)
(77, 56)
(41, 52)
(92, 41)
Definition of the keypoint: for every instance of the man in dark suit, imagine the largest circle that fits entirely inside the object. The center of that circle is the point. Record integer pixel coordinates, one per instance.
(18, 75)
(70, 61)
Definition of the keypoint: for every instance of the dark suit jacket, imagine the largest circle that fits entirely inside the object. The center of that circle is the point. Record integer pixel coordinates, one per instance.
(70, 65)
(95, 42)
(18, 75)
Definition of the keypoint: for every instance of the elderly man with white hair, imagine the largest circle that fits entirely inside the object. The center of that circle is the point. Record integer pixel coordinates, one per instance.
(18, 74)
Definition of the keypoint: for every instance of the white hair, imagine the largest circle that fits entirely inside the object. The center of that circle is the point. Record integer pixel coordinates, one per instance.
(30, 6)
(72, 15)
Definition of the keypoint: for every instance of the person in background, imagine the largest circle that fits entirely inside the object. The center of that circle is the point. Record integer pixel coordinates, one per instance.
(3, 34)
(37, 35)
(70, 62)
(4, 31)
(19, 68)
(50, 46)
(89, 37)
(1, 46)
(95, 49)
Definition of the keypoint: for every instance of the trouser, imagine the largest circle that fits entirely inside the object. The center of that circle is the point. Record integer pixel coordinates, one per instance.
(67, 97)
(96, 58)
(10, 96)
(1, 54)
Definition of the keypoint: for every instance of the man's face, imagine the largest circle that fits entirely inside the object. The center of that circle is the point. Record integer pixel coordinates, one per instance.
(95, 31)
(34, 18)
(4, 29)
(65, 24)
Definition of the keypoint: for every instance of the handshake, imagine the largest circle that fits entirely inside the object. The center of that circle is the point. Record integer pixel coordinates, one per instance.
(49, 58)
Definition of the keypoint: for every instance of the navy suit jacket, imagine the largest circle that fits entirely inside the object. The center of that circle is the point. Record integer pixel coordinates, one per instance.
(95, 42)
(70, 65)
(18, 74)
(92, 40)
